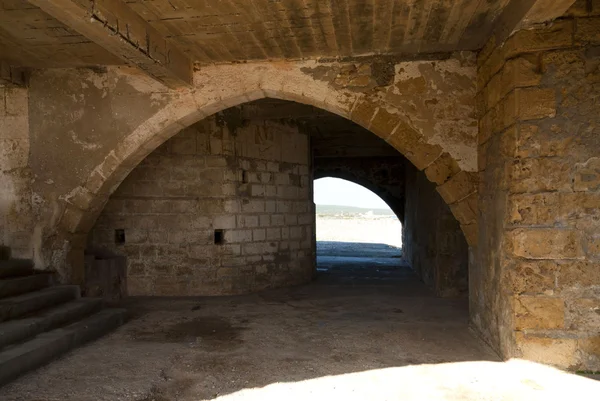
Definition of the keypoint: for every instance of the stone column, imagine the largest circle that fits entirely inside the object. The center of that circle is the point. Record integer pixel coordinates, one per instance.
(535, 291)
(15, 177)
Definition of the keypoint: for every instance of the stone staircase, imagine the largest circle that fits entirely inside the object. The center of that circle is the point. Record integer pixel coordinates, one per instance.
(40, 321)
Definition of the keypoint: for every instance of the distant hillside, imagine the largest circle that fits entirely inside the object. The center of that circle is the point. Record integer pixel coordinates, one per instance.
(337, 210)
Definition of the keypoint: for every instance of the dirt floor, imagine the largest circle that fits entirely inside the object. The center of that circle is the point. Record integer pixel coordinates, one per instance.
(364, 330)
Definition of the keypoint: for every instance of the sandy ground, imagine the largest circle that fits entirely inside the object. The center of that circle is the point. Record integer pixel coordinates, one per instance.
(362, 331)
(383, 230)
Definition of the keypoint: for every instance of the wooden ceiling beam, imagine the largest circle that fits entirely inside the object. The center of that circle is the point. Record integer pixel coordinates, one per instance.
(120, 30)
(522, 14)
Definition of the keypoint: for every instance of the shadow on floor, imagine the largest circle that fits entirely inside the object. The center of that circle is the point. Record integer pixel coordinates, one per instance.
(360, 331)
(346, 262)
(357, 249)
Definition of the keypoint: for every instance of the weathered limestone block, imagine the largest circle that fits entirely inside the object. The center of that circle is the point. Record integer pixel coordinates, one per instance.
(556, 35)
(587, 175)
(520, 72)
(539, 175)
(545, 243)
(537, 312)
(442, 169)
(421, 154)
(466, 210)
(583, 314)
(534, 103)
(533, 209)
(533, 141)
(537, 348)
(533, 277)
(458, 187)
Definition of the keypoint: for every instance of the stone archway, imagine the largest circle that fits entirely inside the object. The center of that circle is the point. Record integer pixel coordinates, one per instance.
(389, 109)
(397, 208)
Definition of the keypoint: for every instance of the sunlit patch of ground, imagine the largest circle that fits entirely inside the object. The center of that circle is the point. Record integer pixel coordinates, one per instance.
(515, 380)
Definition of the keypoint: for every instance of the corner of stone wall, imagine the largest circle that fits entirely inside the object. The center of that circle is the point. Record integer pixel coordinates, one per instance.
(16, 218)
(535, 292)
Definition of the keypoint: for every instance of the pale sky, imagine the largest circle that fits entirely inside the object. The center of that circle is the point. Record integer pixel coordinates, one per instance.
(334, 191)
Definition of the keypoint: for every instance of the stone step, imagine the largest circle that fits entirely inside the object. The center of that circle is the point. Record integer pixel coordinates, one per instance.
(20, 305)
(19, 285)
(20, 330)
(4, 252)
(18, 359)
(15, 268)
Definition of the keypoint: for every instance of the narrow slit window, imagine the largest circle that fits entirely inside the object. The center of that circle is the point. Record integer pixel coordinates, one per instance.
(218, 237)
(119, 236)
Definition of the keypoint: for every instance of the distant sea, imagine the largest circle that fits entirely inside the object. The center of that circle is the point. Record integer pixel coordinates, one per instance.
(335, 210)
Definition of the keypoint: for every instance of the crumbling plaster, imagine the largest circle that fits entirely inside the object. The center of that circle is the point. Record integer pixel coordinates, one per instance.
(90, 128)
(15, 175)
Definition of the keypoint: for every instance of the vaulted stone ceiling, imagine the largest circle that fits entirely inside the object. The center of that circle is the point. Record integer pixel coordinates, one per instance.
(262, 29)
(31, 38)
(210, 31)
(168, 39)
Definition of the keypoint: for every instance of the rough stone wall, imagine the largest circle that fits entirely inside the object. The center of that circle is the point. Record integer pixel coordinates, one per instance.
(383, 176)
(77, 118)
(535, 286)
(432, 241)
(16, 219)
(90, 127)
(252, 182)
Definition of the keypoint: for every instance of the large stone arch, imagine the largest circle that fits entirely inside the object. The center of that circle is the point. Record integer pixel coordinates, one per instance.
(416, 132)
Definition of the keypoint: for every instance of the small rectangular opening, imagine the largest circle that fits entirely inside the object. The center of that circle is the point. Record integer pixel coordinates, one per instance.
(244, 176)
(119, 236)
(218, 237)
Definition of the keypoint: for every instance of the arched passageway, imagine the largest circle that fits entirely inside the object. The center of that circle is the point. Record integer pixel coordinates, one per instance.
(512, 121)
(415, 133)
(357, 233)
(225, 206)
(345, 200)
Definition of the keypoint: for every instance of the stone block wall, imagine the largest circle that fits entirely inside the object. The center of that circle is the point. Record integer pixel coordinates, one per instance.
(15, 176)
(433, 243)
(247, 187)
(89, 127)
(535, 286)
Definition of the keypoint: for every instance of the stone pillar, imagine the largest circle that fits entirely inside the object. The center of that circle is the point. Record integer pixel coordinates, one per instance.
(535, 290)
(15, 178)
